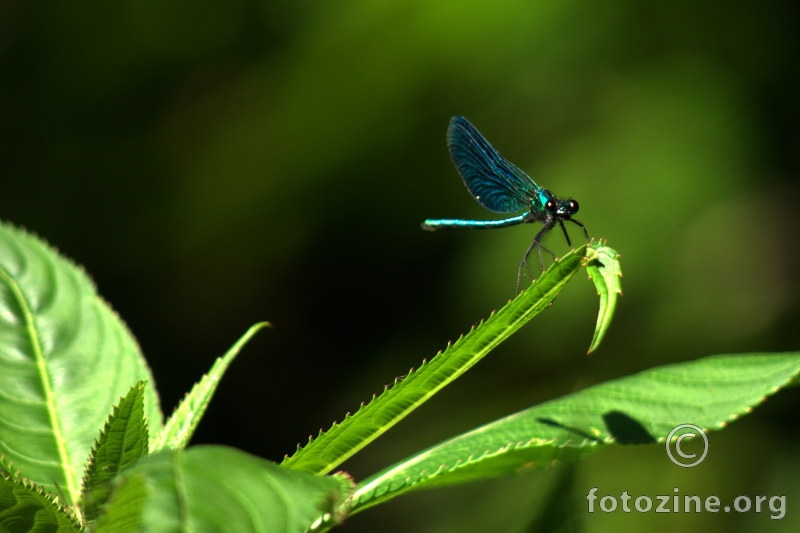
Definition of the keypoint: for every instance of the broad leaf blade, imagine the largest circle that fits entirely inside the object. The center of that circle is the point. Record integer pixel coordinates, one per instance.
(605, 271)
(65, 359)
(638, 409)
(122, 442)
(213, 488)
(341, 441)
(180, 427)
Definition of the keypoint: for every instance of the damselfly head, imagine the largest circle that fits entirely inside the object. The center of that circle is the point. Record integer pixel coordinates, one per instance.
(562, 208)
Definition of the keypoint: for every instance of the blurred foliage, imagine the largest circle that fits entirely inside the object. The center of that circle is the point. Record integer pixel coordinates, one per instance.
(213, 164)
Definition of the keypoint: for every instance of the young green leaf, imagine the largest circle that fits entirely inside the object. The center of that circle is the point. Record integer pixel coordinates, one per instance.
(26, 507)
(65, 358)
(604, 270)
(122, 442)
(341, 441)
(180, 427)
(638, 409)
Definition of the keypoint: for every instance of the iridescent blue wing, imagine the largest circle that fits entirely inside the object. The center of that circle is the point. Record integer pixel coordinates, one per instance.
(496, 183)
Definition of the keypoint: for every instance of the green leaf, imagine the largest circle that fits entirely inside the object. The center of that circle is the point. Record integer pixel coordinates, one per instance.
(214, 488)
(341, 441)
(638, 409)
(25, 508)
(123, 513)
(122, 442)
(604, 269)
(65, 358)
(180, 427)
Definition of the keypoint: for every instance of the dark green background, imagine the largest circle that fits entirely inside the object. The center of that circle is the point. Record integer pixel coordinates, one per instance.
(213, 164)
